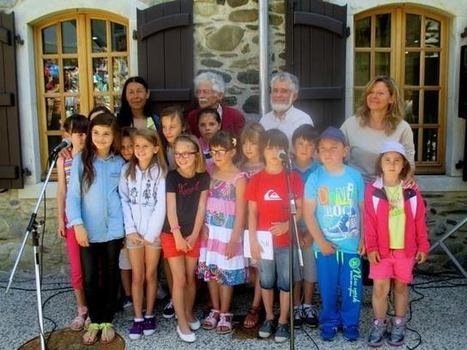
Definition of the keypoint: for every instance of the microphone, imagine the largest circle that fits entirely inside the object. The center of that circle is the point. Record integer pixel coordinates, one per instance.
(62, 145)
(283, 155)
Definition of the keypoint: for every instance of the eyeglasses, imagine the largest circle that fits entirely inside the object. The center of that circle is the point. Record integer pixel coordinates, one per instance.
(183, 155)
(220, 152)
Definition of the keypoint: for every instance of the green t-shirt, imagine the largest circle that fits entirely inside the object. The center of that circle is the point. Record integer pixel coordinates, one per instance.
(396, 216)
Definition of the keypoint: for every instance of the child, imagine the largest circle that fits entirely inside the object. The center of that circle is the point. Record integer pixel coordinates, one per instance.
(75, 128)
(268, 210)
(187, 190)
(333, 197)
(173, 124)
(303, 141)
(94, 210)
(209, 122)
(251, 163)
(126, 151)
(395, 238)
(142, 191)
(221, 262)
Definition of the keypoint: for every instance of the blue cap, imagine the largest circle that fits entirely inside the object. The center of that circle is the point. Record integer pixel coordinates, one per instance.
(333, 134)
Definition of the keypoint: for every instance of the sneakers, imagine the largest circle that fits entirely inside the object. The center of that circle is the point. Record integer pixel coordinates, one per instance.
(397, 335)
(127, 302)
(169, 310)
(297, 316)
(310, 315)
(351, 333)
(377, 333)
(282, 333)
(328, 333)
(187, 338)
(266, 329)
(161, 293)
(136, 330)
(149, 326)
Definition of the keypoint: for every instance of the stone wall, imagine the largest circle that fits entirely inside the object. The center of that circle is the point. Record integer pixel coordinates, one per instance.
(226, 41)
(14, 217)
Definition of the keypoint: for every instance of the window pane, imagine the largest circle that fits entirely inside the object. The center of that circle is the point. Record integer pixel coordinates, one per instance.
(71, 74)
(412, 68)
(431, 68)
(100, 75)
(430, 105)
(430, 145)
(117, 104)
(99, 37)
(51, 76)
(363, 32)
(382, 63)
(432, 33)
(120, 72)
(362, 68)
(49, 40)
(357, 98)
(71, 105)
(53, 113)
(412, 100)
(118, 37)
(415, 141)
(412, 30)
(69, 37)
(383, 30)
(103, 101)
(53, 141)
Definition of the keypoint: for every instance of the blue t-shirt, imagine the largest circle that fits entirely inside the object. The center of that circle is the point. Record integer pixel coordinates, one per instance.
(305, 174)
(338, 199)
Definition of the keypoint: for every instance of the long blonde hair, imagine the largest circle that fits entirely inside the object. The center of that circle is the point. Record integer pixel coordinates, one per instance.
(200, 165)
(153, 138)
(395, 112)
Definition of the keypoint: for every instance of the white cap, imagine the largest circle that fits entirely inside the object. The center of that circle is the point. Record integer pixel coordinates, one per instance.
(393, 146)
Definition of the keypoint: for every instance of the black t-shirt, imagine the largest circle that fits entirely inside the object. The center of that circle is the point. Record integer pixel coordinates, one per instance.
(187, 192)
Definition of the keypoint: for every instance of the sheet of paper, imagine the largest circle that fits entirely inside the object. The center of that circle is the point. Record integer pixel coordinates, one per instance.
(265, 241)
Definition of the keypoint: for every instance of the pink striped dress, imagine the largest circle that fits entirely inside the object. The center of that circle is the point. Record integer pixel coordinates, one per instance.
(220, 219)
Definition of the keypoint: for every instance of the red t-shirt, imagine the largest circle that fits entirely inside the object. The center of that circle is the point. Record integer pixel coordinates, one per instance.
(269, 191)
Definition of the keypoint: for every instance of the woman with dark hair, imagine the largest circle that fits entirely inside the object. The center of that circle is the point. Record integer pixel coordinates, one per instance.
(135, 109)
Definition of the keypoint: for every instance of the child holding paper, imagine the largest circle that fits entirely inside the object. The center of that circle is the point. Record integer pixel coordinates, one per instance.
(268, 212)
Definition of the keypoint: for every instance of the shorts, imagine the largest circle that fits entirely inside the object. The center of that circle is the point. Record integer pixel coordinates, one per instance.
(123, 260)
(276, 272)
(170, 251)
(397, 266)
(308, 271)
(155, 245)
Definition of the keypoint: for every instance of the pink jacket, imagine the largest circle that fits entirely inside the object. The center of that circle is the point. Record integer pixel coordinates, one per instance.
(376, 221)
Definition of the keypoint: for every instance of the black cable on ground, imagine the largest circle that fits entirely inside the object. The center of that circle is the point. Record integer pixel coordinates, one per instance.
(310, 337)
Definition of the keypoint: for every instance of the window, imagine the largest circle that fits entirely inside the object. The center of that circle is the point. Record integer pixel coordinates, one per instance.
(82, 61)
(410, 45)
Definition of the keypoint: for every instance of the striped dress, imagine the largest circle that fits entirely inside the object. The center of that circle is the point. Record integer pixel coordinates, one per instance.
(220, 218)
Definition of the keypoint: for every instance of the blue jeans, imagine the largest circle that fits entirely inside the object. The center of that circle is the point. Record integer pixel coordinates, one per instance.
(276, 272)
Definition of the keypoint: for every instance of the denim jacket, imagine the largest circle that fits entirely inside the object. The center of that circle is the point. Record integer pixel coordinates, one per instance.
(99, 209)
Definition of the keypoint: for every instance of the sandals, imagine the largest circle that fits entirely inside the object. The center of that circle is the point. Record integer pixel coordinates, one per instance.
(81, 321)
(90, 337)
(211, 321)
(108, 333)
(224, 326)
(251, 318)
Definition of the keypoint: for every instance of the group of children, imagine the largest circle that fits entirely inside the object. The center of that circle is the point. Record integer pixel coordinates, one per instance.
(194, 202)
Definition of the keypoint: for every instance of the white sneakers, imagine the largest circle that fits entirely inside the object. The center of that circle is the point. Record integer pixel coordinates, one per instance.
(188, 338)
(194, 325)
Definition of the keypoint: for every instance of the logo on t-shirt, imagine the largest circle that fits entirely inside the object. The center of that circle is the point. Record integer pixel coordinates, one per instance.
(272, 195)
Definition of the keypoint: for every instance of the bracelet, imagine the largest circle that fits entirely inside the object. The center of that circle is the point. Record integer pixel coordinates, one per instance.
(174, 228)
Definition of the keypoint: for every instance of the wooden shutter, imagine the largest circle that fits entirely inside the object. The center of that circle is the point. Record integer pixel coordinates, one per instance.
(10, 143)
(316, 34)
(165, 52)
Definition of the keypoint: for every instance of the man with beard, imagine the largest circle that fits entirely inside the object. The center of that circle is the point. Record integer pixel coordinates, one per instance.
(284, 116)
(209, 88)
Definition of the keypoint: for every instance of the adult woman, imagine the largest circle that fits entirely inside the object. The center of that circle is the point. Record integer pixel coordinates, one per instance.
(380, 118)
(135, 110)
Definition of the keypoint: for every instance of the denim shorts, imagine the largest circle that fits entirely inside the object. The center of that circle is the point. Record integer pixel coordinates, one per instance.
(276, 272)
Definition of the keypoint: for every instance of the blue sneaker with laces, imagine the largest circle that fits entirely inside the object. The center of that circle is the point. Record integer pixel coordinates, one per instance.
(328, 333)
(351, 333)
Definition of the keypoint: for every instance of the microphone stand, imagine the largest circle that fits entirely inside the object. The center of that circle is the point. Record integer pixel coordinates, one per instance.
(32, 229)
(293, 238)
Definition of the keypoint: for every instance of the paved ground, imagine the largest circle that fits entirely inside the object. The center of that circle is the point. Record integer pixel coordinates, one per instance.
(440, 319)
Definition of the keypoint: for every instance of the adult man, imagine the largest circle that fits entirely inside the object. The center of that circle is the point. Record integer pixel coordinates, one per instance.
(209, 89)
(284, 116)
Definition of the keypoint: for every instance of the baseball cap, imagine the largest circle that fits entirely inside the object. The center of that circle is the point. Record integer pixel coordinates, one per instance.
(393, 146)
(334, 134)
